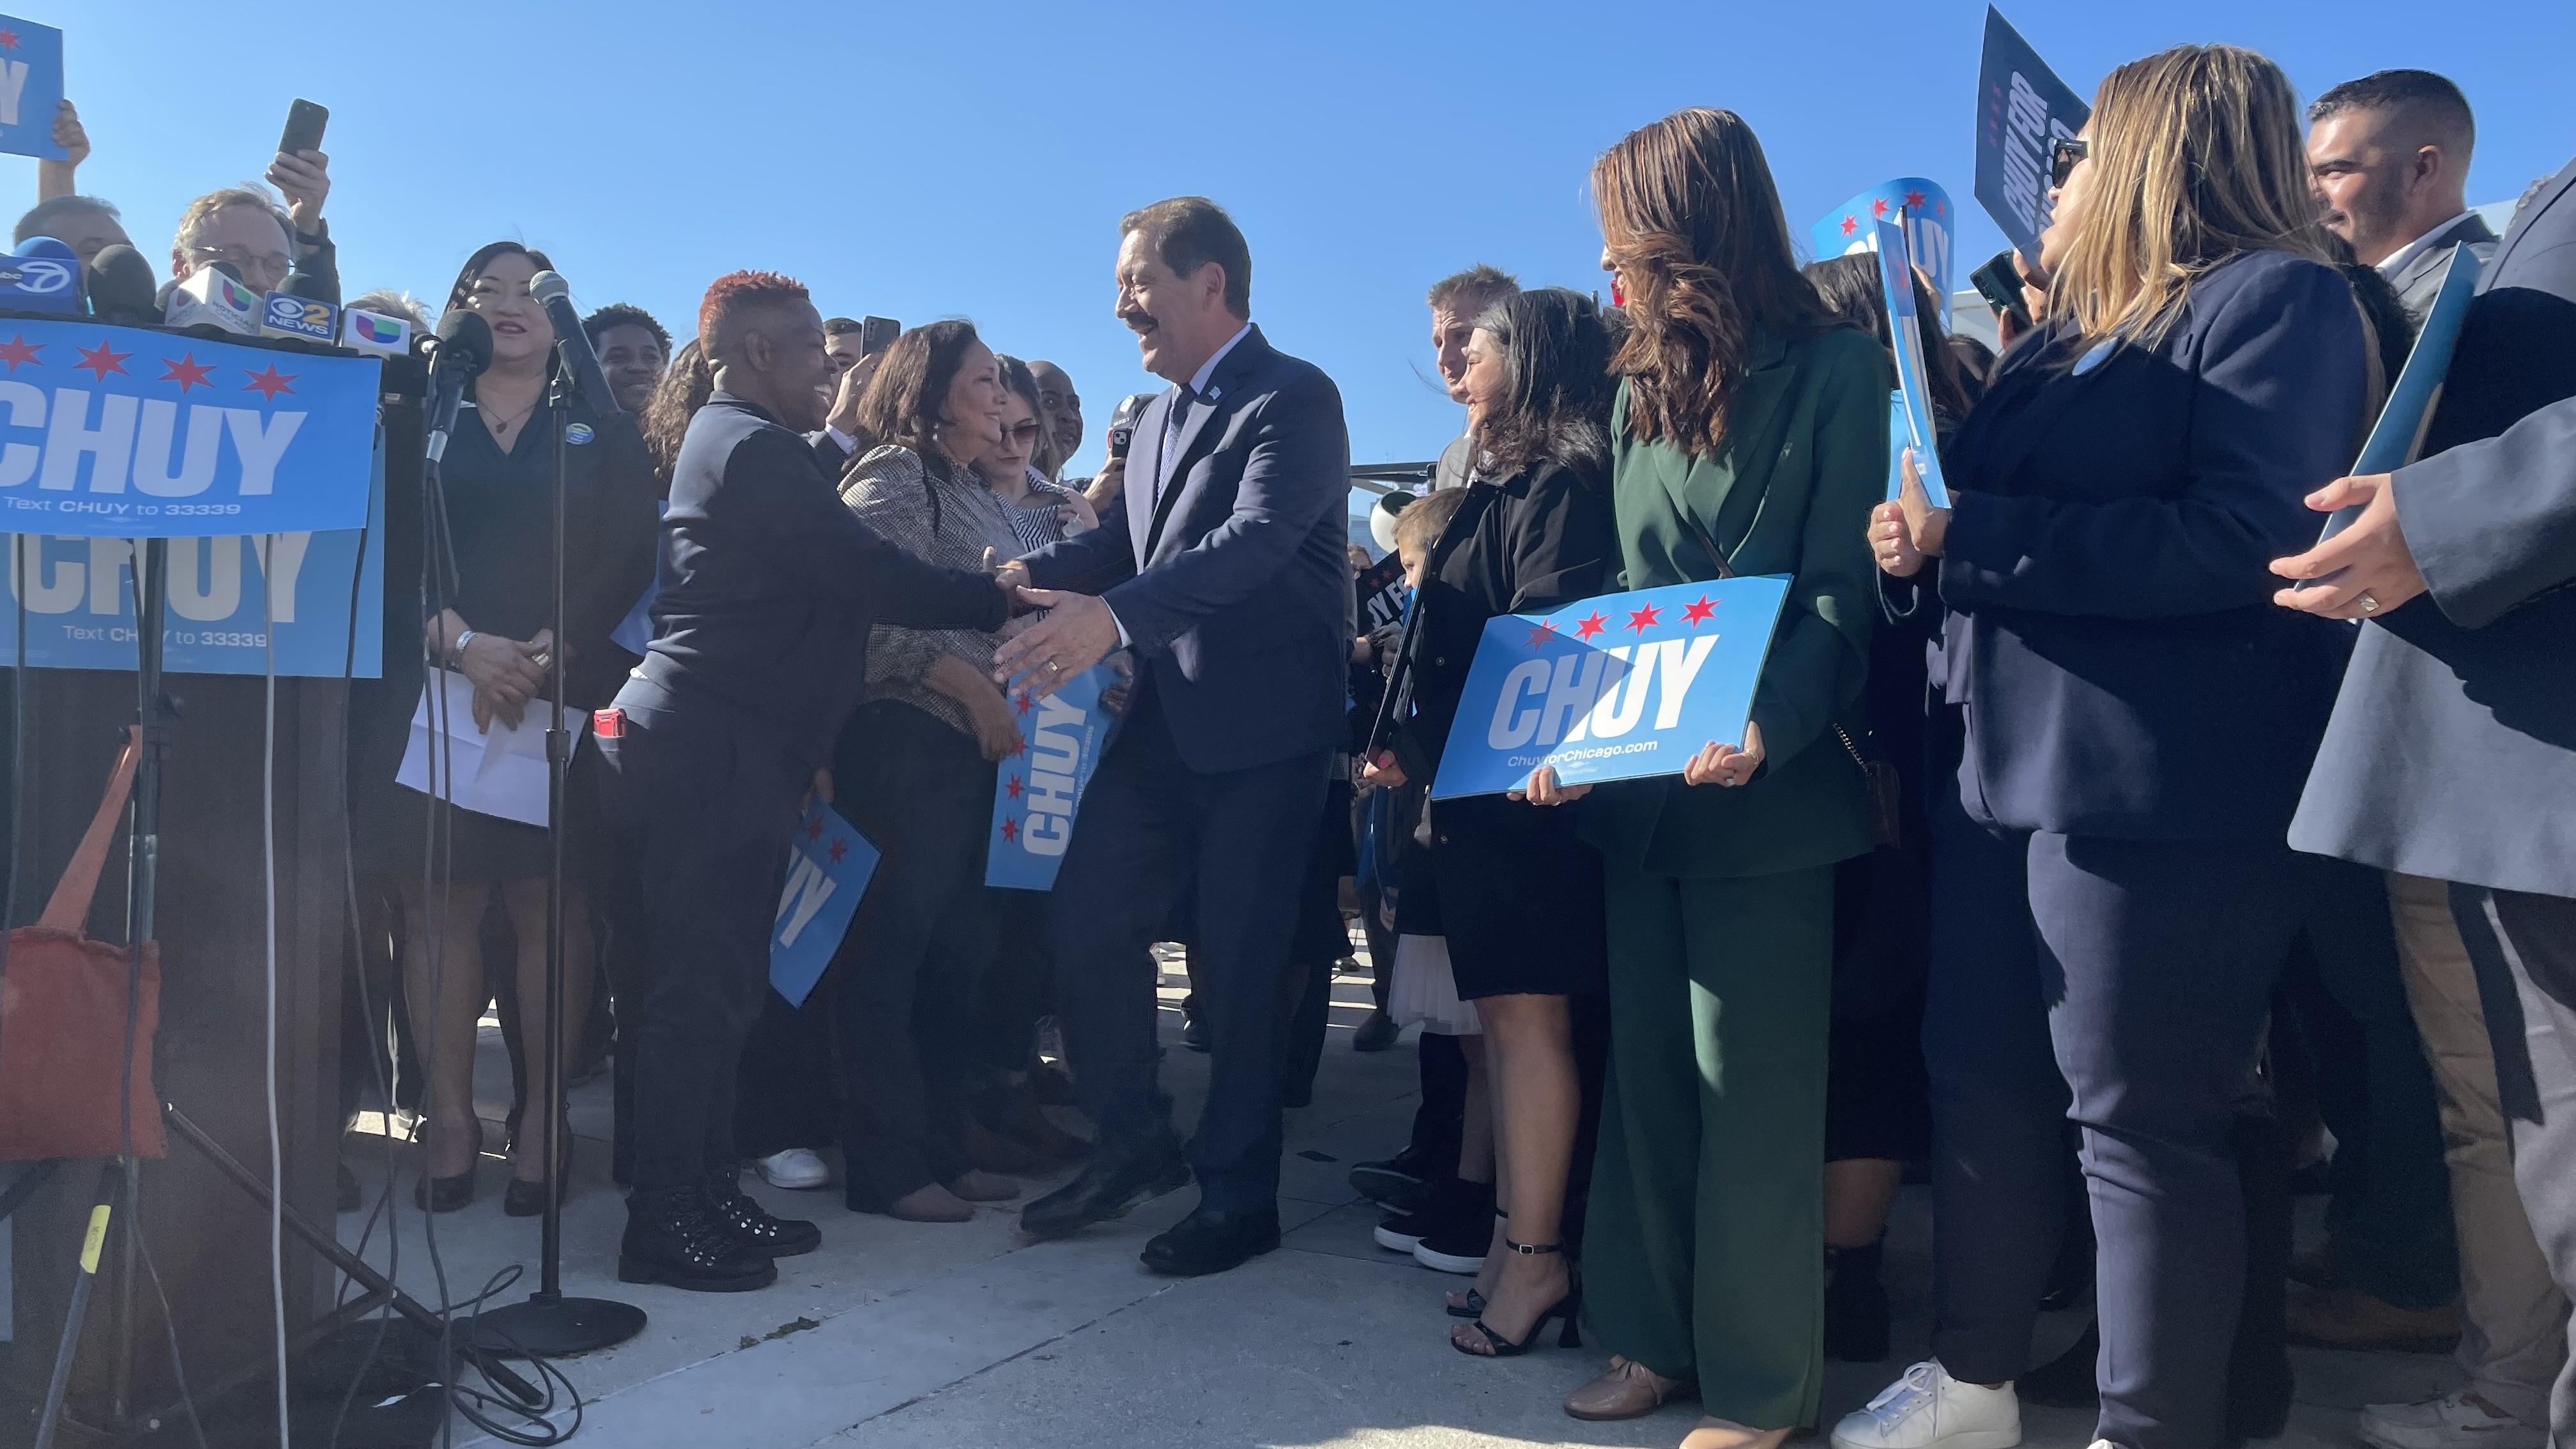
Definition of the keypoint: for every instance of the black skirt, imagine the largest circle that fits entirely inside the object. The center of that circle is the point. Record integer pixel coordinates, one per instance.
(1519, 899)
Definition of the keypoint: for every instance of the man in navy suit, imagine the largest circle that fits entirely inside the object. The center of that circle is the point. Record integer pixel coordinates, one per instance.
(2452, 752)
(1222, 566)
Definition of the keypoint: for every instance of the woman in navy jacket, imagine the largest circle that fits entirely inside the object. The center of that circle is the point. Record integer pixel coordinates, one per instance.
(2113, 896)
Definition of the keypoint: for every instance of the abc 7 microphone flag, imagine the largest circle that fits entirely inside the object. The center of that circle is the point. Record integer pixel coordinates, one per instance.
(118, 432)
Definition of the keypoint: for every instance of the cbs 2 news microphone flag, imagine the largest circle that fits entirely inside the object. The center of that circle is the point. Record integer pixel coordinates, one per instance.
(120, 432)
(1619, 687)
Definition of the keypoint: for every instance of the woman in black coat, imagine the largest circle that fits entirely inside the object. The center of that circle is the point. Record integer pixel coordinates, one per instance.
(1520, 895)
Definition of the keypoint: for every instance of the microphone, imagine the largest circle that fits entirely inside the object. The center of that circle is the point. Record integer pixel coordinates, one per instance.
(43, 275)
(213, 296)
(464, 349)
(572, 344)
(120, 286)
(374, 332)
(302, 309)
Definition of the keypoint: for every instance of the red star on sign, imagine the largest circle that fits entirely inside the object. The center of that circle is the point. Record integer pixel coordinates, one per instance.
(8, 40)
(1011, 787)
(1023, 703)
(1638, 619)
(1940, 208)
(17, 350)
(1878, 206)
(814, 828)
(101, 360)
(1699, 611)
(1591, 626)
(839, 848)
(1913, 200)
(1543, 633)
(1010, 828)
(1850, 224)
(188, 372)
(1024, 746)
(269, 382)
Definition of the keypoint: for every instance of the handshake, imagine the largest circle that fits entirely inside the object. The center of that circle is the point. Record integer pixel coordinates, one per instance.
(1077, 632)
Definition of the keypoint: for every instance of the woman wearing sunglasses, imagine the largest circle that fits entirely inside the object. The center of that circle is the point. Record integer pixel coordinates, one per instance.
(2112, 896)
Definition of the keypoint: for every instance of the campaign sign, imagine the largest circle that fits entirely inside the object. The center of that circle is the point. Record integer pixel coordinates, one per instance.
(1615, 688)
(79, 596)
(1037, 791)
(120, 432)
(1381, 591)
(31, 88)
(828, 865)
(2022, 110)
(1905, 330)
(1917, 203)
(2418, 389)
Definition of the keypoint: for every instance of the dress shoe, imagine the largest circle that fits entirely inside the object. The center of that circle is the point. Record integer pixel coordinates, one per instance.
(751, 1224)
(674, 1236)
(929, 1203)
(525, 1199)
(1208, 1241)
(1625, 1390)
(1376, 1034)
(2350, 1318)
(974, 1186)
(1111, 1185)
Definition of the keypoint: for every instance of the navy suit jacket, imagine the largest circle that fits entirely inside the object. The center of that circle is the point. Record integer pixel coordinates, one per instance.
(2110, 629)
(1235, 588)
(2453, 748)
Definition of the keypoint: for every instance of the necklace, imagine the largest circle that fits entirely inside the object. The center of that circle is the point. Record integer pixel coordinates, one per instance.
(500, 424)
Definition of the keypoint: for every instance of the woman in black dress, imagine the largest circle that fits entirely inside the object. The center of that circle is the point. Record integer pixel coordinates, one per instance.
(489, 619)
(1520, 896)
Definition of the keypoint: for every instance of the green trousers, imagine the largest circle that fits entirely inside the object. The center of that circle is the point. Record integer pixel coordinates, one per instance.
(1703, 1253)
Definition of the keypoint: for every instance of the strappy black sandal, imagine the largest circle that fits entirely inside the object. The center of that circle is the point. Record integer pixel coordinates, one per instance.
(1473, 1305)
(1567, 1308)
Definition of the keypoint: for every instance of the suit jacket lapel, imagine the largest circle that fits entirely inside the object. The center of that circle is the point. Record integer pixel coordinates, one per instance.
(2542, 196)
(1144, 466)
(1748, 424)
(1194, 432)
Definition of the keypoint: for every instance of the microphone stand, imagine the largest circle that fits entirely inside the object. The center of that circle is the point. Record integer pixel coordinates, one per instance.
(547, 1324)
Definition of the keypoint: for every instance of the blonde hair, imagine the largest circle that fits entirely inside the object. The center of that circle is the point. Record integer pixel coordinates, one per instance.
(2197, 157)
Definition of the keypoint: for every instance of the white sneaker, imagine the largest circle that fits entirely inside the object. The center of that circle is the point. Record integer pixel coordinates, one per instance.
(797, 1167)
(1927, 1409)
(2449, 1422)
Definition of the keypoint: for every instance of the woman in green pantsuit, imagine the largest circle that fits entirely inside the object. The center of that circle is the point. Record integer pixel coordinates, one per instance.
(1750, 438)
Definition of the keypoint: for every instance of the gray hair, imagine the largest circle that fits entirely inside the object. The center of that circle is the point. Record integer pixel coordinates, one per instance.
(44, 213)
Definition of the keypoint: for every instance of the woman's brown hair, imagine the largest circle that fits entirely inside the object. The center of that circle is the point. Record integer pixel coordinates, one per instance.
(901, 404)
(1691, 219)
(2197, 157)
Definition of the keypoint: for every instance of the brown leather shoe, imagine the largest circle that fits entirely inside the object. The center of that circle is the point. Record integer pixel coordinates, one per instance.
(977, 1186)
(2350, 1318)
(1626, 1390)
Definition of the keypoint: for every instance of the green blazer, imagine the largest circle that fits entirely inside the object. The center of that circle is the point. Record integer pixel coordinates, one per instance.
(1805, 459)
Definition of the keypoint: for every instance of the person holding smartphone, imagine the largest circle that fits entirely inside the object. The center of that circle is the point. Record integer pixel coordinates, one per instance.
(266, 242)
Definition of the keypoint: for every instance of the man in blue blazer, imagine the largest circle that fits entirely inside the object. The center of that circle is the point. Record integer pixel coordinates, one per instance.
(1222, 566)
(2452, 751)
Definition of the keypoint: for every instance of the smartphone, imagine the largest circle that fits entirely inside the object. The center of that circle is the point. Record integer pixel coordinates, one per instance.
(304, 123)
(1122, 422)
(2000, 284)
(876, 334)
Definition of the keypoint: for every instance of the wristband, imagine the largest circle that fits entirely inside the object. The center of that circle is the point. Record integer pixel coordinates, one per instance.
(456, 656)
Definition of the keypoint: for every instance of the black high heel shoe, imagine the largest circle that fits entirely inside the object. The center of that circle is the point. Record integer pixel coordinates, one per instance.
(1568, 1308)
(446, 1194)
(1471, 1304)
(523, 1199)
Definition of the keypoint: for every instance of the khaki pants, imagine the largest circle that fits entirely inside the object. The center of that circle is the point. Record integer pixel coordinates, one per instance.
(2513, 1320)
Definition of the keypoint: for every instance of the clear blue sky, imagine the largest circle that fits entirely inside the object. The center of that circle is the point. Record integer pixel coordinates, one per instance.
(920, 161)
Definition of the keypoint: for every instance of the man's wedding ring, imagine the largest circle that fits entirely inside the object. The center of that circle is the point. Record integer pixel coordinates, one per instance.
(2369, 605)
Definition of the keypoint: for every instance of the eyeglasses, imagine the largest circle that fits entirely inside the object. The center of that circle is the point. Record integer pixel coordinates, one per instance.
(273, 264)
(2069, 152)
(1024, 433)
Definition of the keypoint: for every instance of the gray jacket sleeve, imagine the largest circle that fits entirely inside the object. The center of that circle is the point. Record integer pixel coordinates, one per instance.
(2492, 524)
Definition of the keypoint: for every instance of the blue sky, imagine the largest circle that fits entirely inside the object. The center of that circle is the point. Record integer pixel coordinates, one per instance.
(920, 161)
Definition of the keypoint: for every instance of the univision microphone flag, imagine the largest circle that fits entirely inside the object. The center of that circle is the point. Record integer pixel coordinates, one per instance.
(1914, 202)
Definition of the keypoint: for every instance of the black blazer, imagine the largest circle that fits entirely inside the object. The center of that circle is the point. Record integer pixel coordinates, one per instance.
(2110, 630)
(1234, 588)
(2453, 748)
(1515, 883)
(770, 586)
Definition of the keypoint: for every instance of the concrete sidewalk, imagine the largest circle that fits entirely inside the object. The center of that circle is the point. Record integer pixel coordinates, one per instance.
(926, 1336)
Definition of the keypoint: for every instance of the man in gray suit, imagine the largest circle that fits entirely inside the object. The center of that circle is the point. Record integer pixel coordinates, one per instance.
(2388, 154)
(2451, 759)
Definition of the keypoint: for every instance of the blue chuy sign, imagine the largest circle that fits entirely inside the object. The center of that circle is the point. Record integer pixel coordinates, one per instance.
(1615, 688)
(1037, 791)
(2022, 110)
(80, 600)
(118, 432)
(828, 866)
(31, 88)
(1916, 203)
(1905, 329)
(2400, 429)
